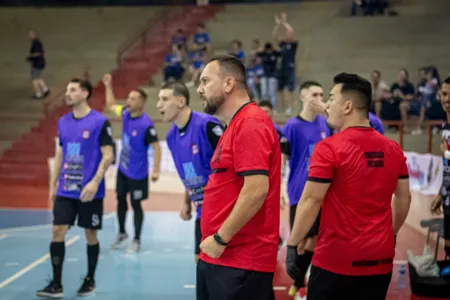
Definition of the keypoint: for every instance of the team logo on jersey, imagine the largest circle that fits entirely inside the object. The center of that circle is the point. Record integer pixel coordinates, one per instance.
(323, 135)
(283, 139)
(217, 130)
(152, 131)
(134, 133)
(194, 149)
(109, 130)
(85, 134)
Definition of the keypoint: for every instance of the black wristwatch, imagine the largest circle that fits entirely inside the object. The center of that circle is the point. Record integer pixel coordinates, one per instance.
(219, 240)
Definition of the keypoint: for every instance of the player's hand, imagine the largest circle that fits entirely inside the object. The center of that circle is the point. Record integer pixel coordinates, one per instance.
(436, 205)
(317, 105)
(301, 247)
(283, 17)
(277, 20)
(155, 176)
(52, 194)
(186, 212)
(291, 262)
(107, 79)
(210, 247)
(89, 191)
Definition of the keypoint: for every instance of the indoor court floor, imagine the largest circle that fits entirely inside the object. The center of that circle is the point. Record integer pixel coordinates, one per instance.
(164, 269)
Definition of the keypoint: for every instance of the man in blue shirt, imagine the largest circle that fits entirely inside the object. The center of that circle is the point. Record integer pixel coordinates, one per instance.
(77, 185)
(138, 133)
(192, 141)
(287, 75)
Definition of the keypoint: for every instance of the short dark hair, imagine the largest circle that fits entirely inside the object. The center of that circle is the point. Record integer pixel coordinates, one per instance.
(232, 65)
(447, 80)
(377, 72)
(178, 89)
(265, 103)
(359, 87)
(309, 83)
(142, 94)
(85, 85)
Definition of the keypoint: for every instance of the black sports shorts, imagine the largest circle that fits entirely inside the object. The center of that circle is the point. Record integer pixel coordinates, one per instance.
(198, 236)
(138, 189)
(325, 285)
(314, 231)
(89, 214)
(224, 283)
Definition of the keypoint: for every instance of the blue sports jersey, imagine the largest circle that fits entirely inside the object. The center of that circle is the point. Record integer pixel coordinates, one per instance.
(192, 150)
(301, 138)
(134, 155)
(81, 140)
(376, 123)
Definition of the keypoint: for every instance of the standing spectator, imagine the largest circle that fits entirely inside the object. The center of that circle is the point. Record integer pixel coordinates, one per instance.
(201, 38)
(287, 74)
(402, 92)
(255, 71)
(241, 204)
(256, 49)
(269, 81)
(37, 60)
(236, 50)
(380, 91)
(173, 69)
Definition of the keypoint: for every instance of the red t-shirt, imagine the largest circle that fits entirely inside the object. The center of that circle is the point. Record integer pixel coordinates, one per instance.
(356, 235)
(248, 146)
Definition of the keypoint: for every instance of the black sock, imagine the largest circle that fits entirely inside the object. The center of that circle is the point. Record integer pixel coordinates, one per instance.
(303, 263)
(92, 253)
(138, 219)
(447, 250)
(122, 212)
(57, 251)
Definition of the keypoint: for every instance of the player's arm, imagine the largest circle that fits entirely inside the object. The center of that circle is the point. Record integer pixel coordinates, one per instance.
(321, 173)
(151, 138)
(186, 211)
(290, 32)
(110, 97)
(402, 197)
(252, 147)
(213, 133)
(54, 175)
(276, 28)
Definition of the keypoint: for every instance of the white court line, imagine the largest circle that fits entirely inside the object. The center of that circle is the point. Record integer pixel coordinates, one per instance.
(3, 236)
(400, 262)
(38, 227)
(275, 288)
(34, 264)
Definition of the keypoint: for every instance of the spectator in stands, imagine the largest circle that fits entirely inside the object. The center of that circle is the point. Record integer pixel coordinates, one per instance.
(256, 49)
(269, 82)
(201, 38)
(173, 68)
(287, 75)
(370, 7)
(255, 71)
(402, 92)
(380, 91)
(426, 92)
(196, 65)
(236, 50)
(37, 61)
(180, 39)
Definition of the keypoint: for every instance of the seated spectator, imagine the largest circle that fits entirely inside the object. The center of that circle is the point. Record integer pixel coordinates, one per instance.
(196, 65)
(255, 71)
(426, 93)
(269, 82)
(173, 69)
(236, 50)
(380, 91)
(401, 95)
(180, 39)
(201, 38)
(370, 7)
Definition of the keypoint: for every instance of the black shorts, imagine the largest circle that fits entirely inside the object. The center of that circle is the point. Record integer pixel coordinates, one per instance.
(223, 283)
(89, 214)
(325, 285)
(198, 236)
(138, 189)
(314, 231)
(447, 226)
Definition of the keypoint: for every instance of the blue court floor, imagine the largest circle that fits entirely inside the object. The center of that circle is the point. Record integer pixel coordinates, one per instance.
(163, 270)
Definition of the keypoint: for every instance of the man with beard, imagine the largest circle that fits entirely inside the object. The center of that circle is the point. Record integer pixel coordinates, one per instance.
(443, 199)
(192, 141)
(77, 186)
(241, 204)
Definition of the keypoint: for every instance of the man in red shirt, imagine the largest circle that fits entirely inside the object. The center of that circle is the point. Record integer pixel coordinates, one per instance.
(352, 177)
(241, 204)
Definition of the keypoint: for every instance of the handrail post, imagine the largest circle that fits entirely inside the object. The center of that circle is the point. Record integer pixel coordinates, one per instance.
(430, 137)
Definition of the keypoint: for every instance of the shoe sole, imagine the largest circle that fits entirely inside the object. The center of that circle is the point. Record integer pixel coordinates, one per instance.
(86, 293)
(49, 295)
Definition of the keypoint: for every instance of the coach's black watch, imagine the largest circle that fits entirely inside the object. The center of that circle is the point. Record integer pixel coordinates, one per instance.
(219, 240)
